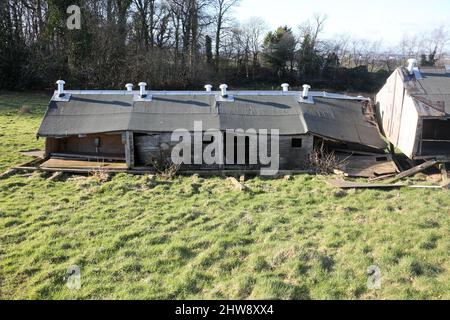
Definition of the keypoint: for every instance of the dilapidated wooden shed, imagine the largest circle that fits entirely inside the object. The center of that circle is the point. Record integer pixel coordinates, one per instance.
(130, 129)
(414, 110)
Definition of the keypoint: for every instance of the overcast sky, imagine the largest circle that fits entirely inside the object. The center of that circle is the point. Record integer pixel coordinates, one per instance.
(386, 20)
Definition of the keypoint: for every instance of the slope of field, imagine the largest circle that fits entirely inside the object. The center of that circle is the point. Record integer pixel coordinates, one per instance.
(134, 237)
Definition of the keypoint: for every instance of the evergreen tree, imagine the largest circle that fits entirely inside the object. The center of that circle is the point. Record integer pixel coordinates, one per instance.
(279, 50)
(309, 61)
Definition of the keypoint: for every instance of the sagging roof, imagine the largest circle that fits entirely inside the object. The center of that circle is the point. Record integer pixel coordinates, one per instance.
(331, 116)
(431, 89)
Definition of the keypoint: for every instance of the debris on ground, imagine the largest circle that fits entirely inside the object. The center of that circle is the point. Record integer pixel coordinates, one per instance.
(343, 184)
(34, 153)
(236, 184)
(415, 170)
(8, 173)
(55, 176)
(366, 166)
(440, 181)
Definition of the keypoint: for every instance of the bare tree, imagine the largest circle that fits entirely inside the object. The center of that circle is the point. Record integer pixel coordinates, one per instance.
(411, 46)
(313, 27)
(254, 30)
(221, 9)
(436, 42)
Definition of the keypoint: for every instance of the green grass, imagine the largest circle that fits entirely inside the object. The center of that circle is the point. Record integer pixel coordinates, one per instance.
(195, 238)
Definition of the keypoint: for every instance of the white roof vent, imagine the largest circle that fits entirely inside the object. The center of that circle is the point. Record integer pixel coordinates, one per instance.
(208, 88)
(223, 89)
(285, 87)
(412, 64)
(305, 93)
(224, 96)
(129, 87)
(142, 90)
(306, 96)
(60, 84)
(143, 96)
(60, 95)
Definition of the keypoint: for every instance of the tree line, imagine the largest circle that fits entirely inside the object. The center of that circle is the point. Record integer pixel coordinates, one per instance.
(183, 44)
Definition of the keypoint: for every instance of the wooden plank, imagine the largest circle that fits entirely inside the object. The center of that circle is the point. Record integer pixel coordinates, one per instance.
(8, 173)
(129, 149)
(425, 187)
(34, 153)
(362, 153)
(415, 170)
(55, 176)
(352, 185)
(87, 165)
(32, 163)
(26, 168)
(366, 166)
(394, 157)
(382, 177)
(79, 171)
(29, 166)
(73, 156)
(145, 171)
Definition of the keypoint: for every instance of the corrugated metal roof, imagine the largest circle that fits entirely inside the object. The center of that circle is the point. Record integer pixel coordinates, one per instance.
(338, 119)
(87, 114)
(341, 120)
(263, 112)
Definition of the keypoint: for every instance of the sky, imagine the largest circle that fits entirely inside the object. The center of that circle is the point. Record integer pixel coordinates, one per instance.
(386, 20)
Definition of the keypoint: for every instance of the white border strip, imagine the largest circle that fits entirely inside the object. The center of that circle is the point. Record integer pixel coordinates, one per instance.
(297, 94)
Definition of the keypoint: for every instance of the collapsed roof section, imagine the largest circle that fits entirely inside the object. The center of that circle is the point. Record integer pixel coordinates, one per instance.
(331, 116)
(431, 89)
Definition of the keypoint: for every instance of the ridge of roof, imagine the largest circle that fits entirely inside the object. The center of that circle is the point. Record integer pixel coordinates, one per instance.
(322, 94)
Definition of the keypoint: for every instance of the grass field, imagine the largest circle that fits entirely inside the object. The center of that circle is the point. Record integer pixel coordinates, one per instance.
(134, 237)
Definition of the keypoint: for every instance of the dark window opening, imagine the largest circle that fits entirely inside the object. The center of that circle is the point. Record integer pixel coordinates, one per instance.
(433, 148)
(297, 143)
(435, 137)
(436, 130)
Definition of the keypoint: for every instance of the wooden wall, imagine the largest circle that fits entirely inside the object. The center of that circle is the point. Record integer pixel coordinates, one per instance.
(144, 149)
(109, 144)
(398, 115)
(150, 147)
